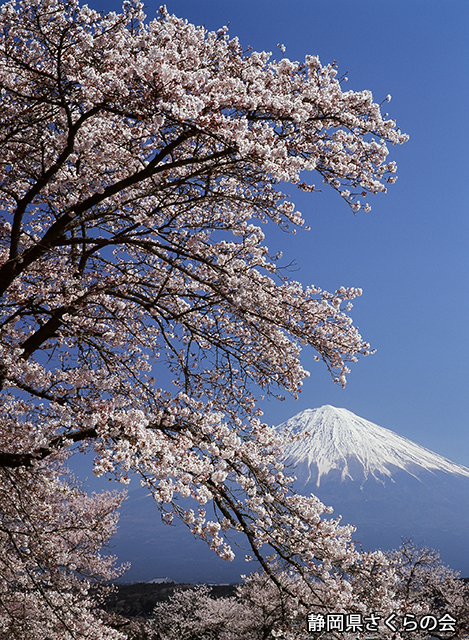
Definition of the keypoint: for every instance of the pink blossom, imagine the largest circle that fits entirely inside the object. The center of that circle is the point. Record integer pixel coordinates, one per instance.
(137, 167)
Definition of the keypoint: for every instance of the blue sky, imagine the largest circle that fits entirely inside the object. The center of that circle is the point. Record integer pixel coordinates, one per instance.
(411, 253)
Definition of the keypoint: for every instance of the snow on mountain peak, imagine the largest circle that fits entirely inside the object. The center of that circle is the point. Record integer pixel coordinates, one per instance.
(337, 439)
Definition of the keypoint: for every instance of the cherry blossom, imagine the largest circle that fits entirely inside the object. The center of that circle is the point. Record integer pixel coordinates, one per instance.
(422, 587)
(51, 535)
(141, 167)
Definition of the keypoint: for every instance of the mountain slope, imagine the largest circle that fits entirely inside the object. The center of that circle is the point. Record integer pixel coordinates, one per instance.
(387, 486)
(339, 440)
(384, 484)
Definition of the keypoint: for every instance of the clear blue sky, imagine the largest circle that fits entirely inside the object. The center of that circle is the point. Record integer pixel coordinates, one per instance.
(411, 253)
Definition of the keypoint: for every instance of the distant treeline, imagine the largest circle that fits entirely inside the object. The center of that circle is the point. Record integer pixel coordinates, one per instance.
(138, 600)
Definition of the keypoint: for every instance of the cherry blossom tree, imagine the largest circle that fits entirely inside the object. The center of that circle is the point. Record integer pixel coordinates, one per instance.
(51, 534)
(194, 613)
(424, 581)
(138, 163)
(423, 587)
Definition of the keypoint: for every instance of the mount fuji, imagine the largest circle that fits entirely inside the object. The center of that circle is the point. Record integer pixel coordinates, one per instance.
(386, 485)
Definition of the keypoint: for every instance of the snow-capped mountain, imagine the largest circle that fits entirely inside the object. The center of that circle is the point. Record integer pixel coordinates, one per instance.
(386, 485)
(338, 440)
